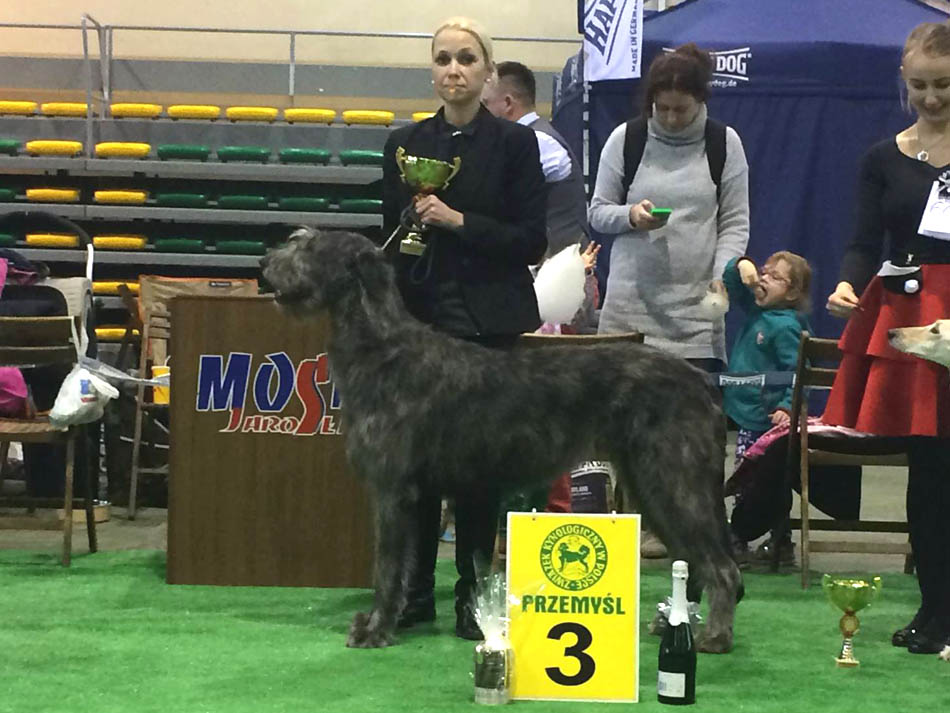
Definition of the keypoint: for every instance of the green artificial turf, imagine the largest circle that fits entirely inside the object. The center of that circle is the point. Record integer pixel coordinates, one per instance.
(109, 634)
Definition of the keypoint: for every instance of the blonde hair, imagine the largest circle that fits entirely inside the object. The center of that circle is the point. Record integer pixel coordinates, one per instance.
(472, 27)
(799, 277)
(931, 38)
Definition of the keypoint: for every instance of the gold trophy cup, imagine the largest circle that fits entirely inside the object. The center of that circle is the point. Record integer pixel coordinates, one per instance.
(850, 596)
(424, 176)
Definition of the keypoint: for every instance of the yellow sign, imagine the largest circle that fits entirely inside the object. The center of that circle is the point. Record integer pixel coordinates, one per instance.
(574, 594)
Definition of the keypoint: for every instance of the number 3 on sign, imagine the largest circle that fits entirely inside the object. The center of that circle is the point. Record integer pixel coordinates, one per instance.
(574, 585)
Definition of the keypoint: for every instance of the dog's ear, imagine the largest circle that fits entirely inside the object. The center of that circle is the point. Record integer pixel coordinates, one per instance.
(371, 268)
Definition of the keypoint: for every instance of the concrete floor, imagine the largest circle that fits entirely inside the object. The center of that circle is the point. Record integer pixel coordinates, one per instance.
(883, 498)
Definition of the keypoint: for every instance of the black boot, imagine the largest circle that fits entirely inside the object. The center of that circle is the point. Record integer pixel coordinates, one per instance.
(902, 637)
(418, 610)
(465, 625)
(930, 638)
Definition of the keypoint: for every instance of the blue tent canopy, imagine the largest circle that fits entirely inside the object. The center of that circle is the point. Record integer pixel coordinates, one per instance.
(809, 85)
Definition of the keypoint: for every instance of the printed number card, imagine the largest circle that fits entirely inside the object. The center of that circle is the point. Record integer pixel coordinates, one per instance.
(573, 601)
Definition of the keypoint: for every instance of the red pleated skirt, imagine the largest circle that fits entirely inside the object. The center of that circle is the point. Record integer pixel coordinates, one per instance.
(883, 391)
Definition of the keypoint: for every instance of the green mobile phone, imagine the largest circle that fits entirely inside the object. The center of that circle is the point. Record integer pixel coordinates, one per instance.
(661, 212)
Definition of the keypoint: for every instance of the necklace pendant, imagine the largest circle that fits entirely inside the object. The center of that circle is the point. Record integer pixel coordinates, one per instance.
(923, 156)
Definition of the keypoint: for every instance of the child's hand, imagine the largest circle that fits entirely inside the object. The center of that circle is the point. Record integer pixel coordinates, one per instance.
(779, 418)
(589, 256)
(748, 272)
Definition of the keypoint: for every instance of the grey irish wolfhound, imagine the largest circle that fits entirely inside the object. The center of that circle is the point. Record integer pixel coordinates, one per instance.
(425, 411)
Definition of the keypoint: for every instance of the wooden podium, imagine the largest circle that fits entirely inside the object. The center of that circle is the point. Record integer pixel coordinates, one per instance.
(259, 491)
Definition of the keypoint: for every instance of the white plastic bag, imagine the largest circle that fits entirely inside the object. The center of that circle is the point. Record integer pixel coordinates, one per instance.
(559, 286)
(81, 399)
(83, 395)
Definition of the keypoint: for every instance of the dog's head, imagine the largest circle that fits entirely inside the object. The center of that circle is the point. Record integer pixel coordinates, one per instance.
(314, 269)
(931, 342)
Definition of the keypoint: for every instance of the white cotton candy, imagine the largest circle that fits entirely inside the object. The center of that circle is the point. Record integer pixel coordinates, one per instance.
(559, 285)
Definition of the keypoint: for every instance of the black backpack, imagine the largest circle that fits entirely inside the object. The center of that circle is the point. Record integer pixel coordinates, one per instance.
(636, 140)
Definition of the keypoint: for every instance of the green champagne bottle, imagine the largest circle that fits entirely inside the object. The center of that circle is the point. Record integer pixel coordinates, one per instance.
(676, 679)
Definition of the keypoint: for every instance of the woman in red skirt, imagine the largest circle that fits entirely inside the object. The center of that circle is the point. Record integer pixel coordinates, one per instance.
(878, 389)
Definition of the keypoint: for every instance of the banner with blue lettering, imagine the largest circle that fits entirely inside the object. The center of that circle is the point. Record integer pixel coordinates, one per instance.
(613, 37)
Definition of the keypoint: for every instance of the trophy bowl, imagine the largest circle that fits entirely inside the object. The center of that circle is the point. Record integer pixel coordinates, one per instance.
(850, 596)
(425, 175)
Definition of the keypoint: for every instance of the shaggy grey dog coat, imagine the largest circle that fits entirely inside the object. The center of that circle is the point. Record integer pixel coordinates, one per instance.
(423, 411)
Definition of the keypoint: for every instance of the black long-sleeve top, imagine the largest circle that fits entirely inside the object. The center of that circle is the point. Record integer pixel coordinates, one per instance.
(478, 280)
(892, 193)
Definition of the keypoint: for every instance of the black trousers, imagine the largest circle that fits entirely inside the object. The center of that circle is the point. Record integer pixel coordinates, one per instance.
(928, 518)
(476, 524)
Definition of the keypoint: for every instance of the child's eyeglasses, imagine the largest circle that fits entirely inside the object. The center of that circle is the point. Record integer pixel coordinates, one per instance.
(774, 276)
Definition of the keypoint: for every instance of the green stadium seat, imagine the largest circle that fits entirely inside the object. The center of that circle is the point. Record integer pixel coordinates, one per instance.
(243, 202)
(183, 152)
(9, 146)
(7, 195)
(241, 247)
(321, 156)
(244, 153)
(179, 245)
(361, 205)
(182, 200)
(360, 157)
(304, 204)
(7, 240)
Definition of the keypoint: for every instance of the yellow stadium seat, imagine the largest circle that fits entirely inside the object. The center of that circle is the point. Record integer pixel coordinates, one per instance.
(251, 113)
(119, 242)
(63, 108)
(53, 195)
(100, 287)
(44, 147)
(122, 149)
(193, 111)
(314, 116)
(112, 333)
(422, 115)
(17, 107)
(359, 116)
(135, 110)
(52, 240)
(125, 197)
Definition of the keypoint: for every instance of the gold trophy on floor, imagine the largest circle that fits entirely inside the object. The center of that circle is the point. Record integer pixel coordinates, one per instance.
(850, 596)
(424, 176)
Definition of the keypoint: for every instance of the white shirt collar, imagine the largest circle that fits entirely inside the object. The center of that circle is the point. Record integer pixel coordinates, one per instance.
(529, 118)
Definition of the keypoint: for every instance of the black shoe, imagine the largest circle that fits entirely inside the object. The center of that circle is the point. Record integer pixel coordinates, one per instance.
(928, 639)
(786, 552)
(902, 637)
(416, 613)
(465, 625)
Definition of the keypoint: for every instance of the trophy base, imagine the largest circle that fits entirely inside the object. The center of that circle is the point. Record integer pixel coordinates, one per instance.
(847, 663)
(412, 245)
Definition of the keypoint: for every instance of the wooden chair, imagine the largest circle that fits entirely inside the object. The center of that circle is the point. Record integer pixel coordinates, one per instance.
(818, 361)
(155, 294)
(28, 342)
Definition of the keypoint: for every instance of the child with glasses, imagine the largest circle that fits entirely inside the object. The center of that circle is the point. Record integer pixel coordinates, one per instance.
(775, 300)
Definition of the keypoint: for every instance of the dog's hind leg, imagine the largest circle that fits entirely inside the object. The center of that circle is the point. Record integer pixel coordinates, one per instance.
(683, 501)
(395, 545)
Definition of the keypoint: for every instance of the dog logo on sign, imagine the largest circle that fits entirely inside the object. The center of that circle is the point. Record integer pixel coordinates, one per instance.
(573, 557)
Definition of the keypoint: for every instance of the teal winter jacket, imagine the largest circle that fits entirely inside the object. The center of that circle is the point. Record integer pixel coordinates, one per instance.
(767, 341)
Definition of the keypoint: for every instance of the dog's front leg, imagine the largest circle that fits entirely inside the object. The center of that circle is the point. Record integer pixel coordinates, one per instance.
(394, 542)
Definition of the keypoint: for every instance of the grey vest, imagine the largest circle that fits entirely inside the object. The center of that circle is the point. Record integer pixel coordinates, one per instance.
(567, 201)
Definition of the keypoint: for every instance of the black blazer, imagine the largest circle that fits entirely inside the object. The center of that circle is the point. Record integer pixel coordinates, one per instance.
(500, 190)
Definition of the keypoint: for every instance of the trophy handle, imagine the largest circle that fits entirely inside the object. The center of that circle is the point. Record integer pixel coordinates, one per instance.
(401, 161)
(456, 165)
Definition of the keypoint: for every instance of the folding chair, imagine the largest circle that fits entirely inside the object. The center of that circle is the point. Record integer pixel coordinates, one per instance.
(818, 361)
(29, 342)
(155, 294)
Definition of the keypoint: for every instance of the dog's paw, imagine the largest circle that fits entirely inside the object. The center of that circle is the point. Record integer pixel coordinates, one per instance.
(658, 625)
(364, 636)
(945, 654)
(710, 642)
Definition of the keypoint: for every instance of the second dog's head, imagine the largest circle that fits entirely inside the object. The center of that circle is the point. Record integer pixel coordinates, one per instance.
(313, 270)
(931, 342)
